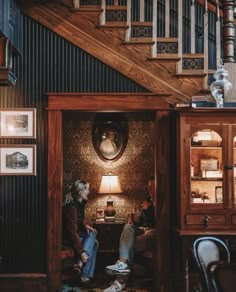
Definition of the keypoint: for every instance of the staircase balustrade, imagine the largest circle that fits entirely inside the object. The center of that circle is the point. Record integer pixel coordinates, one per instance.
(181, 29)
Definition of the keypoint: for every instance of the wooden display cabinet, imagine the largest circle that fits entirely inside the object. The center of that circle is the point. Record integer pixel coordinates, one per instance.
(206, 159)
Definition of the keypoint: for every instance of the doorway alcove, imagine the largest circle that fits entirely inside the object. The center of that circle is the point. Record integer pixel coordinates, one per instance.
(109, 102)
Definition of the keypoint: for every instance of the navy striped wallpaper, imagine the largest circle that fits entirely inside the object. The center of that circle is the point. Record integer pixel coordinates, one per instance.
(48, 64)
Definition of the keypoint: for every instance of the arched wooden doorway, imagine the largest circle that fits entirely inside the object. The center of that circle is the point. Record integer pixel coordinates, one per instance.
(57, 104)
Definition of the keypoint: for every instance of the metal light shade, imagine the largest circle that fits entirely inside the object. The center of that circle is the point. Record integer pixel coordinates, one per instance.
(222, 87)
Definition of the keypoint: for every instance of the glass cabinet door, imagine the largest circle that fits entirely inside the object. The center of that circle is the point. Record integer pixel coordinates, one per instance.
(206, 170)
(234, 172)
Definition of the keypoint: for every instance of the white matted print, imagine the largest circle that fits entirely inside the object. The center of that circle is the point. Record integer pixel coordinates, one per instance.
(18, 160)
(18, 123)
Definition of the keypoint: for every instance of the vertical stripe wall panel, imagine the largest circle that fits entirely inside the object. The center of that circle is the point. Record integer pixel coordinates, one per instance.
(48, 64)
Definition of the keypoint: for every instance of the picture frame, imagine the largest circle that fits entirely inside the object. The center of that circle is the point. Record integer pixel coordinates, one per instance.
(219, 194)
(209, 164)
(109, 136)
(100, 213)
(18, 123)
(18, 159)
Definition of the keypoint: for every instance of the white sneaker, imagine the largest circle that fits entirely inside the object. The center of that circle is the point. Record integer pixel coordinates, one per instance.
(85, 279)
(118, 267)
(115, 287)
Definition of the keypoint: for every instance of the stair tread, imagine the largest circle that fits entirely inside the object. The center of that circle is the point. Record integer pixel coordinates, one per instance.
(186, 72)
(167, 40)
(112, 24)
(166, 57)
(193, 55)
(115, 7)
(135, 41)
(87, 9)
(141, 23)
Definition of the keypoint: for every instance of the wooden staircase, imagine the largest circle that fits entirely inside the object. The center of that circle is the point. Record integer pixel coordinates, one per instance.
(131, 47)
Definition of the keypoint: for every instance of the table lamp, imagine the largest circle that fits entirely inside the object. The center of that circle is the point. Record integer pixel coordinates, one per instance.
(110, 185)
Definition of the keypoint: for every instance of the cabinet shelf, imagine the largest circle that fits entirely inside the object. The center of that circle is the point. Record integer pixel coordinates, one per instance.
(207, 147)
(196, 178)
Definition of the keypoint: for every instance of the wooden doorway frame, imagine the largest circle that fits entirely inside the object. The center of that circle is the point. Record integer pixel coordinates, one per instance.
(95, 102)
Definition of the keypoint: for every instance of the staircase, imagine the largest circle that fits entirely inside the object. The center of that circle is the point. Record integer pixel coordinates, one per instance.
(159, 44)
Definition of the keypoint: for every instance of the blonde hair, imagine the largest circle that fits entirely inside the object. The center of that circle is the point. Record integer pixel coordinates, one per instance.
(77, 189)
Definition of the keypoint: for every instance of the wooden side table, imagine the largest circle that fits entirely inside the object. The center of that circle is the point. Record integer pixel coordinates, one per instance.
(108, 236)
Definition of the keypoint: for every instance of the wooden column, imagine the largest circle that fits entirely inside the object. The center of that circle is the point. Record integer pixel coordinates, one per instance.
(54, 207)
(218, 35)
(228, 30)
(163, 183)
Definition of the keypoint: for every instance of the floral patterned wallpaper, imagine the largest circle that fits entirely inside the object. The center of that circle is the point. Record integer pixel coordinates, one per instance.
(134, 167)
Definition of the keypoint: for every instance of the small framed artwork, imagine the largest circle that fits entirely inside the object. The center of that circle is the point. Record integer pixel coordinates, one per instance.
(18, 123)
(99, 213)
(18, 159)
(219, 194)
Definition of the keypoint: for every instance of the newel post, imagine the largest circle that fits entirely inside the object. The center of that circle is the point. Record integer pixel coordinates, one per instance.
(228, 30)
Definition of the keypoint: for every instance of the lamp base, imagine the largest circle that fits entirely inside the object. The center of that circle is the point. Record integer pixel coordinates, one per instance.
(110, 218)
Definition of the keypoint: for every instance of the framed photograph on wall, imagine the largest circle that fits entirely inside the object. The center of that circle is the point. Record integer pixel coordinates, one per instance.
(18, 159)
(18, 123)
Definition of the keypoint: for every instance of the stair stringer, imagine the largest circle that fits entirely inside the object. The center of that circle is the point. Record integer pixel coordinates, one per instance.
(107, 46)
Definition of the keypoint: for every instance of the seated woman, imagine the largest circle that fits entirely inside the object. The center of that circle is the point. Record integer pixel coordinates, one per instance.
(141, 227)
(76, 233)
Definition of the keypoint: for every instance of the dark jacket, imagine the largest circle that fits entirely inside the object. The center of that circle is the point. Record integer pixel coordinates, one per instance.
(147, 217)
(73, 225)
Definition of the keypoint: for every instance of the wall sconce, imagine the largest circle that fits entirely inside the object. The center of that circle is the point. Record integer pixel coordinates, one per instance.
(221, 87)
(110, 184)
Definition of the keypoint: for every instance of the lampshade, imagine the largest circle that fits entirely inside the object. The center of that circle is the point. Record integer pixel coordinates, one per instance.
(110, 184)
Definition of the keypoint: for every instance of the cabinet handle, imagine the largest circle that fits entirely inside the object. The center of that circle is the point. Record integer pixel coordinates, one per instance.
(206, 220)
(227, 166)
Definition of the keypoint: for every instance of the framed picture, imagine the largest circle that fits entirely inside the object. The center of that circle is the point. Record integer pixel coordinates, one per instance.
(109, 137)
(18, 159)
(219, 194)
(99, 213)
(18, 123)
(209, 164)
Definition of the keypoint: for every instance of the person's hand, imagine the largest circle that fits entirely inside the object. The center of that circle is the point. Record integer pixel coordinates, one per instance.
(89, 228)
(84, 257)
(130, 218)
(145, 204)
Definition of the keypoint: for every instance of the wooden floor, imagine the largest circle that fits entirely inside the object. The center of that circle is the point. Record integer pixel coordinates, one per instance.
(134, 285)
(140, 280)
(67, 288)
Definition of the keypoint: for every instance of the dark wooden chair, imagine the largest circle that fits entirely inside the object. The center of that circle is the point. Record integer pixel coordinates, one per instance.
(67, 261)
(144, 259)
(207, 251)
(222, 276)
